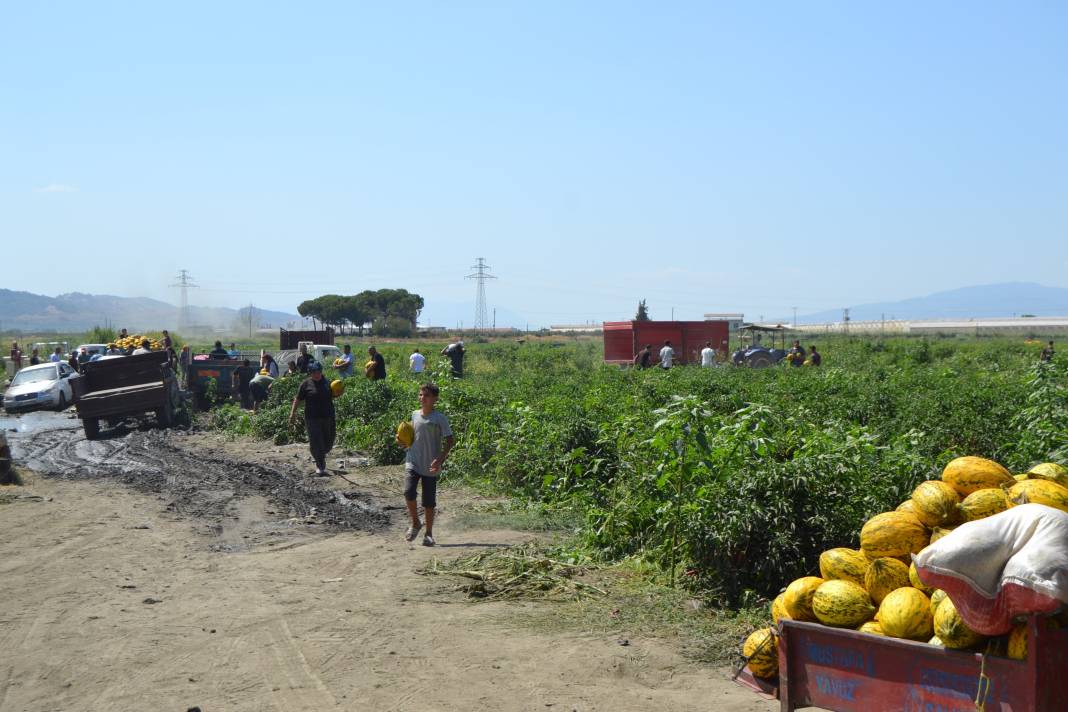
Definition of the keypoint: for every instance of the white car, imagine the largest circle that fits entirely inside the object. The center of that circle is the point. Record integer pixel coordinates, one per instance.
(46, 385)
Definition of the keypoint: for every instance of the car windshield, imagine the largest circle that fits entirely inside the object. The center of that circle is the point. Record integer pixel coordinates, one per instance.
(33, 375)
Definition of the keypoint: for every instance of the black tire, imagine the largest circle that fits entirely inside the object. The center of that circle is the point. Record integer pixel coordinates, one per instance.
(165, 415)
(91, 426)
(7, 476)
(760, 361)
(62, 402)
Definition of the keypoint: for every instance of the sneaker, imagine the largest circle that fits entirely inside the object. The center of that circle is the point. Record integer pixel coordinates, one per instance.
(409, 535)
(322, 473)
(428, 540)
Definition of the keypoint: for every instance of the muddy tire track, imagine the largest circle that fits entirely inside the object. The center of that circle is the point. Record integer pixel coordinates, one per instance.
(196, 483)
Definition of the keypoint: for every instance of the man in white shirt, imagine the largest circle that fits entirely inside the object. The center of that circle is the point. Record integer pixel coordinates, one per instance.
(417, 362)
(145, 348)
(666, 355)
(708, 356)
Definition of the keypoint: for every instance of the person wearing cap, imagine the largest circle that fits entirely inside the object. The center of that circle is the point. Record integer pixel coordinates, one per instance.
(455, 352)
(319, 417)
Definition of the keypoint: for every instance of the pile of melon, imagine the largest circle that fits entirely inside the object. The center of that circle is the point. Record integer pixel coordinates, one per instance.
(875, 589)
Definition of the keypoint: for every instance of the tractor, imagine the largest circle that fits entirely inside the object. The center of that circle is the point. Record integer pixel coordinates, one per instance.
(753, 352)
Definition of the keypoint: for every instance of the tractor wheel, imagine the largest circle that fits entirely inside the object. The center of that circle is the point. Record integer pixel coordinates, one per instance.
(91, 426)
(759, 361)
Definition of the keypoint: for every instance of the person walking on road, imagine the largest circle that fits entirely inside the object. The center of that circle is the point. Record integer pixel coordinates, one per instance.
(379, 364)
(423, 460)
(319, 417)
(667, 355)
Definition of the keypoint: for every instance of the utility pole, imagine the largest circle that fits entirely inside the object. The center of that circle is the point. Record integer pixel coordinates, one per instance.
(250, 320)
(494, 318)
(795, 317)
(185, 282)
(845, 321)
(481, 275)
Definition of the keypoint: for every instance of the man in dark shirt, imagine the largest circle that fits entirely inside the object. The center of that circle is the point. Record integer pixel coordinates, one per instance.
(167, 341)
(1047, 353)
(303, 359)
(644, 358)
(380, 364)
(455, 352)
(219, 352)
(16, 355)
(242, 378)
(814, 356)
(319, 419)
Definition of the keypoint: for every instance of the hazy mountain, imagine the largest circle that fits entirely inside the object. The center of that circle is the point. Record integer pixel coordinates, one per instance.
(990, 300)
(78, 312)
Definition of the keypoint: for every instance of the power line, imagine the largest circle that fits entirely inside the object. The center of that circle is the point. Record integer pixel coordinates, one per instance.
(480, 276)
(185, 282)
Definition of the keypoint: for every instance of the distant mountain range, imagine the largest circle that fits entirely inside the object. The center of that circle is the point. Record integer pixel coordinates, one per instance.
(990, 300)
(79, 312)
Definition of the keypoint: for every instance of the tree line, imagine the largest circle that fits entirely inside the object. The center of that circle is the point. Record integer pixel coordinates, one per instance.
(390, 312)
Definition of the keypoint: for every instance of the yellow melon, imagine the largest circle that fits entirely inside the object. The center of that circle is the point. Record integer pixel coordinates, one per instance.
(842, 603)
(935, 503)
(968, 474)
(778, 610)
(845, 564)
(914, 579)
(1044, 492)
(949, 626)
(797, 599)
(1050, 471)
(984, 503)
(761, 650)
(872, 627)
(883, 576)
(906, 613)
(892, 534)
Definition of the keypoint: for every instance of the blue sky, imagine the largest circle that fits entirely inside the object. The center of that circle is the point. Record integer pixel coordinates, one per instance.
(705, 156)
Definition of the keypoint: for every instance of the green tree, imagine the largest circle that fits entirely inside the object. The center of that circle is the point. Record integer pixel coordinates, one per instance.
(643, 312)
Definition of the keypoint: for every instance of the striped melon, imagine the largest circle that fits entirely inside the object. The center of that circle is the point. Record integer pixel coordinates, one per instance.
(883, 576)
(937, 597)
(951, 629)
(984, 503)
(936, 641)
(914, 579)
(1049, 471)
(844, 564)
(842, 603)
(906, 613)
(872, 627)
(968, 474)
(935, 503)
(939, 532)
(1044, 492)
(1021, 478)
(797, 599)
(1017, 643)
(892, 534)
(906, 506)
(761, 650)
(778, 609)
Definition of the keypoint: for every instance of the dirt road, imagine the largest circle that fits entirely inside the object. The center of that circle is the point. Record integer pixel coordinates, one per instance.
(162, 571)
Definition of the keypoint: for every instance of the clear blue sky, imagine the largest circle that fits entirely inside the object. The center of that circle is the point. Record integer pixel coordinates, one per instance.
(705, 156)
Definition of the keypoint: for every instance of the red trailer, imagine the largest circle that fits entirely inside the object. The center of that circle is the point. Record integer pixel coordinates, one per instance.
(623, 339)
(846, 671)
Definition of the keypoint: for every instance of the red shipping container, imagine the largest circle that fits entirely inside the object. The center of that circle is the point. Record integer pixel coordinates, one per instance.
(624, 339)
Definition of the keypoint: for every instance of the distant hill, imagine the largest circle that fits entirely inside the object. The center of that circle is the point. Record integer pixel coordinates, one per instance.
(991, 300)
(78, 312)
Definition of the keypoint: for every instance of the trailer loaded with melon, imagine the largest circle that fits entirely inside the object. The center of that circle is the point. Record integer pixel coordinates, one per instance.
(870, 634)
(130, 386)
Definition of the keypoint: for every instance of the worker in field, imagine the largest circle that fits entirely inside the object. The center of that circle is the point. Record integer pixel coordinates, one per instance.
(814, 358)
(379, 364)
(303, 359)
(343, 364)
(796, 355)
(16, 356)
(218, 352)
(416, 362)
(708, 356)
(268, 364)
(1047, 353)
(259, 388)
(455, 353)
(430, 446)
(319, 417)
(291, 369)
(667, 355)
(185, 359)
(644, 358)
(241, 378)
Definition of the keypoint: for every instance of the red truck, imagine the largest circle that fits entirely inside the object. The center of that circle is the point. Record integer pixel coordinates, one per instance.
(623, 339)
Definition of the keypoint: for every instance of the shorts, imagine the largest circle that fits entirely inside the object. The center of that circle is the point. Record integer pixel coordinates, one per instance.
(430, 488)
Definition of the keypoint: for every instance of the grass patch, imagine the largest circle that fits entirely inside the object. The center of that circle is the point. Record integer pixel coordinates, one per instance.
(619, 600)
(518, 516)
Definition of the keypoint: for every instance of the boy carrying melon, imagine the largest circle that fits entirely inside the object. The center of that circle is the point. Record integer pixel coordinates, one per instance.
(422, 464)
